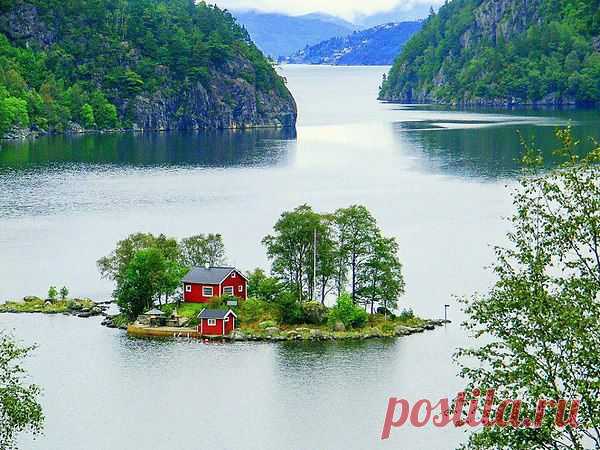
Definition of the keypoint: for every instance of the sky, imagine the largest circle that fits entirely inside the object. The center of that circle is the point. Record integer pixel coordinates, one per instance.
(347, 9)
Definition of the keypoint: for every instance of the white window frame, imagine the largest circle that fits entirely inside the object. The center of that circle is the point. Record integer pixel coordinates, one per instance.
(188, 288)
(204, 290)
(226, 290)
(212, 322)
(241, 288)
(233, 275)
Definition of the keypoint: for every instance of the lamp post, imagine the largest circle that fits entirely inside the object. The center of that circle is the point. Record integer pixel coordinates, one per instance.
(446, 313)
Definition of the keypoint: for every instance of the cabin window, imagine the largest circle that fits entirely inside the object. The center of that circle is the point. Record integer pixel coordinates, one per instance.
(207, 291)
(226, 319)
(228, 290)
(241, 289)
(188, 288)
(233, 275)
(212, 322)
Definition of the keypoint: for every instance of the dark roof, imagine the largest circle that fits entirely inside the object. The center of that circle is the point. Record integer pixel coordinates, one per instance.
(214, 313)
(212, 275)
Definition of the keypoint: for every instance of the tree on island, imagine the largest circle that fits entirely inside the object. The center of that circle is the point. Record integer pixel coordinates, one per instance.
(538, 328)
(149, 268)
(20, 410)
(201, 250)
(350, 253)
(291, 248)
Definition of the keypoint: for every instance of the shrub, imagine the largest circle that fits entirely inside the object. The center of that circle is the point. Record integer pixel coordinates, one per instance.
(388, 328)
(290, 310)
(267, 324)
(64, 292)
(406, 314)
(218, 303)
(346, 312)
(314, 312)
(251, 310)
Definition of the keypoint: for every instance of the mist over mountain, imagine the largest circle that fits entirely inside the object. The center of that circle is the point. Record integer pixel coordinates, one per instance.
(282, 35)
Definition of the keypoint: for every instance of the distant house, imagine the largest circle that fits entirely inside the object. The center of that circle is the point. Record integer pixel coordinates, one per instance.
(201, 284)
(216, 322)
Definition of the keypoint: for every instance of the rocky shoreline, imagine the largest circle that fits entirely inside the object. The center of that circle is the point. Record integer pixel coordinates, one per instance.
(275, 334)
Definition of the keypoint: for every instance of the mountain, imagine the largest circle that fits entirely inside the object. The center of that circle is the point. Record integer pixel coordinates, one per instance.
(376, 46)
(502, 52)
(282, 35)
(138, 64)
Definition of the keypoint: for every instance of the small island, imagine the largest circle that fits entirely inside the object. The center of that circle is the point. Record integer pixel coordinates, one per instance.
(333, 276)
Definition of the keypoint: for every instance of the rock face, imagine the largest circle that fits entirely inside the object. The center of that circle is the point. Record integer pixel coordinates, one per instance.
(21, 23)
(227, 102)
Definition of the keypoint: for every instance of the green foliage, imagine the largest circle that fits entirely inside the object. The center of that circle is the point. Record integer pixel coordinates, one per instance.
(13, 111)
(146, 268)
(87, 116)
(64, 293)
(52, 293)
(251, 310)
(290, 309)
(108, 52)
(553, 55)
(262, 286)
(20, 410)
(267, 324)
(346, 312)
(199, 250)
(350, 253)
(314, 313)
(146, 277)
(538, 328)
(406, 314)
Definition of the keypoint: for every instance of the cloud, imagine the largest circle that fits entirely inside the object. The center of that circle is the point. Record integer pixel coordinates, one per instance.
(348, 9)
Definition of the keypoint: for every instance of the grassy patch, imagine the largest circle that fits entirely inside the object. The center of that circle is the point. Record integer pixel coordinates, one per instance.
(38, 305)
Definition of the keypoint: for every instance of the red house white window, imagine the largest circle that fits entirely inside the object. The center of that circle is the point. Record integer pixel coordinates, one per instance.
(201, 284)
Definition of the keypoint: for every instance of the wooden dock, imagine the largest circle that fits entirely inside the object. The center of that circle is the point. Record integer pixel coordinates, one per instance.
(165, 332)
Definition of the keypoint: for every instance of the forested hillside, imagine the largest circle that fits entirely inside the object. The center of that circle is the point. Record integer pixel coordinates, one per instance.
(375, 46)
(142, 64)
(502, 52)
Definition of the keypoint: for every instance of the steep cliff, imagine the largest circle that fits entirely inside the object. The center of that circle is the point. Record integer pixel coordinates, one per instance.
(502, 52)
(374, 46)
(133, 64)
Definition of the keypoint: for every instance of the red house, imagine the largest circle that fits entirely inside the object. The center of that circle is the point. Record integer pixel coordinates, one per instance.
(201, 284)
(216, 322)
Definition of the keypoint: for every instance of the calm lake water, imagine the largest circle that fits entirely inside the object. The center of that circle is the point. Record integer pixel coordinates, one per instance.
(437, 180)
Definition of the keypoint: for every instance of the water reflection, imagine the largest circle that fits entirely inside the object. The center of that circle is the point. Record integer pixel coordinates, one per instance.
(210, 149)
(490, 147)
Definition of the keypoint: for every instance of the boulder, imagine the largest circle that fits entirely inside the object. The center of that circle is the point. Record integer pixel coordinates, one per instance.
(339, 326)
(272, 331)
(31, 298)
(316, 334)
(238, 335)
(401, 330)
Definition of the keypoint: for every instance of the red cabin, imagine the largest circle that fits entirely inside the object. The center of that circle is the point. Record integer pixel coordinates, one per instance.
(216, 322)
(201, 284)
